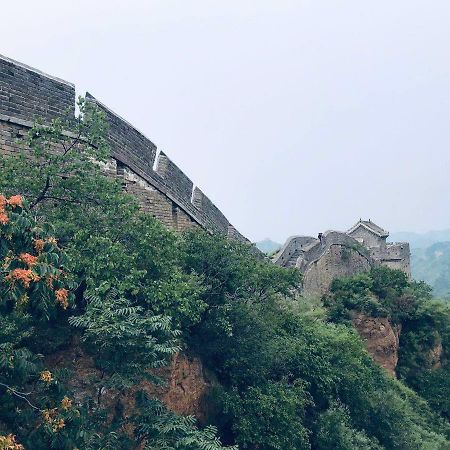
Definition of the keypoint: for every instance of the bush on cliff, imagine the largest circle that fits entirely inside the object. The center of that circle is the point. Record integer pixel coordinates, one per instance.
(283, 370)
(424, 322)
(39, 403)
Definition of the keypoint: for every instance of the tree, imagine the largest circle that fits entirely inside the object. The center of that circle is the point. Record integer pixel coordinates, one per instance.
(117, 275)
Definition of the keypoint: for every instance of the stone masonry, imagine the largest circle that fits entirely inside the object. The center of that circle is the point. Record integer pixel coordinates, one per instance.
(336, 254)
(162, 188)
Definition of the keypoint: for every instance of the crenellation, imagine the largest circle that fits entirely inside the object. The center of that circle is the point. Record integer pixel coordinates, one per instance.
(26, 94)
(174, 177)
(211, 214)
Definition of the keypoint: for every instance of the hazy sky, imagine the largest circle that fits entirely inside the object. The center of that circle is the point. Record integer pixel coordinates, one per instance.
(293, 116)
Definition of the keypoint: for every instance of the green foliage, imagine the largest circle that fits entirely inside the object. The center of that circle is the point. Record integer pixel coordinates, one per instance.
(32, 271)
(424, 354)
(281, 369)
(231, 273)
(127, 260)
(353, 294)
(269, 415)
(425, 326)
(387, 282)
(163, 430)
(335, 431)
(381, 292)
(35, 294)
(125, 340)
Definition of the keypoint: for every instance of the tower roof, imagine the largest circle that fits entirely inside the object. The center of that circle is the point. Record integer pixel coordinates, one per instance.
(369, 225)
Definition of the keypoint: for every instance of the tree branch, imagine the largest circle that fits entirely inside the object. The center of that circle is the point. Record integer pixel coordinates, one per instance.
(41, 196)
(21, 395)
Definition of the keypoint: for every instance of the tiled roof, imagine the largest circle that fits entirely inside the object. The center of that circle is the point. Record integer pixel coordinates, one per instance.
(374, 228)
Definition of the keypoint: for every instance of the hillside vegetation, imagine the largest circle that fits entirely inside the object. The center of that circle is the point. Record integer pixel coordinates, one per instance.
(432, 265)
(81, 264)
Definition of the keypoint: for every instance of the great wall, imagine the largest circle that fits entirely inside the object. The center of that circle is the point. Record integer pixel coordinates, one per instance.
(337, 254)
(162, 188)
(166, 192)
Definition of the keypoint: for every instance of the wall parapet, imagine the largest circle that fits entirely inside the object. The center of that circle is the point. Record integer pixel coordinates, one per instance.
(27, 94)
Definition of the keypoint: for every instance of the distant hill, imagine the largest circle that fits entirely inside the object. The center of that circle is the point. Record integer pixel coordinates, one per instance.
(432, 265)
(420, 240)
(268, 246)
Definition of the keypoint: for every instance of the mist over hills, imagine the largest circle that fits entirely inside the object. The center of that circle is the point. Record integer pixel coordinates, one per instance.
(420, 240)
(432, 265)
(267, 245)
(430, 258)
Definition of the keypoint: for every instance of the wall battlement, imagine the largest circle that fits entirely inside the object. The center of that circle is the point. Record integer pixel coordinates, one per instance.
(335, 254)
(27, 94)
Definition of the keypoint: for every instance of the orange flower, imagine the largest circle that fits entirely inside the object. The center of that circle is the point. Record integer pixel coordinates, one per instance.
(52, 240)
(49, 414)
(46, 376)
(66, 403)
(15, 200)
(58, 425)
(51, 417)
(9, 442)
(28, 259)
(62, 297)
(2, 202)
(38, 245)
(4, 219)
(25, 276)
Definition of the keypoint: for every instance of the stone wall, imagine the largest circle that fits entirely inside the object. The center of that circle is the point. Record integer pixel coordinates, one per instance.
(161, 187)
(337, 261)
(368, 239)
(397, 256)
(29, 94)
(338, 254)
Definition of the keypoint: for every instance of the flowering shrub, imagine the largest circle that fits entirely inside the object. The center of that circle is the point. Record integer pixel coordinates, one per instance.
(32, 265)
(9, 443)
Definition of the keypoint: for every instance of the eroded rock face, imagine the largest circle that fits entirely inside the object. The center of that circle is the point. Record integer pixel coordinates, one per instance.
(338, 262)
(188, 386)
(381, 339)
(434, 355)
(187, 383)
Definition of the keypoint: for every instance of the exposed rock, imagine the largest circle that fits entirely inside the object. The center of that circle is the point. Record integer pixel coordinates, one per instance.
(187, 383)
(337, 262)
(435, 354)
(188, 386)
(381, 339)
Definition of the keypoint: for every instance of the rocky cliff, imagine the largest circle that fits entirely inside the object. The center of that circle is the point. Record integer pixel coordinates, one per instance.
(185, 386)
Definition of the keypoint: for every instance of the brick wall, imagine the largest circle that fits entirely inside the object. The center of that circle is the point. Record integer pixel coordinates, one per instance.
(29, 94)
(167, 193)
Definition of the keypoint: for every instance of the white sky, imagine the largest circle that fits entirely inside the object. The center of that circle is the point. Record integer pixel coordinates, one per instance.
(292, 116)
